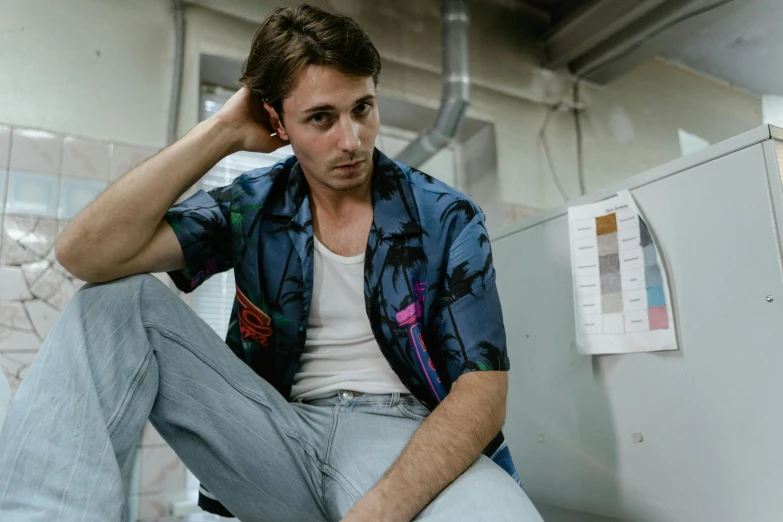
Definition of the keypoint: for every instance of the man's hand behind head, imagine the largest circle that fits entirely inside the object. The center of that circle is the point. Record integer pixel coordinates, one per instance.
(251, 123)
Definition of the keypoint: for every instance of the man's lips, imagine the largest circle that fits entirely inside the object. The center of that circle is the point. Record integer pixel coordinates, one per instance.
(350, 165)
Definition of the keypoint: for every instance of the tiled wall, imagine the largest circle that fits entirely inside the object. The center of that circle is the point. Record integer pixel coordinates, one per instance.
(45, 179)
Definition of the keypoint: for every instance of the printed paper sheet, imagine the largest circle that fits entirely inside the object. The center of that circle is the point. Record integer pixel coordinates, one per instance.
(622, 300)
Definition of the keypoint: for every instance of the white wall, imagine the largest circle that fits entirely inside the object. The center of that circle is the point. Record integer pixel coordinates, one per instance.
(632, 125)
(208, 32)
(52, 78)
(95, 68)
(772, 107)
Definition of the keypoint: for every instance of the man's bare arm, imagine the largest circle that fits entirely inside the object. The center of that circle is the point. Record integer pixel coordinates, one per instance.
(444, 446)
(123, 232)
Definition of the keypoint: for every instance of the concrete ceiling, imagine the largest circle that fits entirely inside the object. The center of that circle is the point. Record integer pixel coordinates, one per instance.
(741, 43)
(556, 10)
(738, 41)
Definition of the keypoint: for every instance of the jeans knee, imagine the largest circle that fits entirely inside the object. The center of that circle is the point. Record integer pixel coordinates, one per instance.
(485, 484)
(102, 298)
(131, 280)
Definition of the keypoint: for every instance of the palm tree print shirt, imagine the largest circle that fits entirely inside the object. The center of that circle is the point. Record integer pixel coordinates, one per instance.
(429, 282)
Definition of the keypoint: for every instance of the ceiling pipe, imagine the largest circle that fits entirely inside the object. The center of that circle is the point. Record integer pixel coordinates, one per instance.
(590, 26)
(456, 87)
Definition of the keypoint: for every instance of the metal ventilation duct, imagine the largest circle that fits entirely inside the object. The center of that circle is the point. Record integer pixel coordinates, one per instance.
(456, 86)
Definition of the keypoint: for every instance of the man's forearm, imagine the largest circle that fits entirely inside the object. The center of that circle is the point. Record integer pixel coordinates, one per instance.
(443, 447)
(122, 220)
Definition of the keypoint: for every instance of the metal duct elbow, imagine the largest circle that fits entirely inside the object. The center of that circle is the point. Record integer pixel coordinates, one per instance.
(456, 87)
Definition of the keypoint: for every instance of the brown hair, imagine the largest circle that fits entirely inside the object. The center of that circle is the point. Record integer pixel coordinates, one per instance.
(292, 38)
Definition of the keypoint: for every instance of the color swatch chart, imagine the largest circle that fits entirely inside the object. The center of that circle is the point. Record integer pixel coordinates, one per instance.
(621, 294)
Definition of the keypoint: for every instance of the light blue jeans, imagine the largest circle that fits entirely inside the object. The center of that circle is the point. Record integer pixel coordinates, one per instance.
(129, 350)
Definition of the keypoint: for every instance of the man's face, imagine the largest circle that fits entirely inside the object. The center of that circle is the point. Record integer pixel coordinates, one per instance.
(331, 120)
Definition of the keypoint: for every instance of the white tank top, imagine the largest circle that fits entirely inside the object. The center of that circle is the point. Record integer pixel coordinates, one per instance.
(340, 351)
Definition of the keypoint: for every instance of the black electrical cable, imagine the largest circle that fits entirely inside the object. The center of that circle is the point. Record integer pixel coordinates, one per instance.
(548, 152)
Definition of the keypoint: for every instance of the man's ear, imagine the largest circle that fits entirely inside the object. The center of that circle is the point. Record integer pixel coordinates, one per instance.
(275, 122)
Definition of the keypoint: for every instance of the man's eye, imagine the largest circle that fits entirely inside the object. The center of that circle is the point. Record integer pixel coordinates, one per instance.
(363, 108)
(319, 118)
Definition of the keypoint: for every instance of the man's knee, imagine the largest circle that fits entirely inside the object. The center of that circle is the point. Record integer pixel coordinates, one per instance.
(485, 492)
(121, 288)
(126, 283)
(494, 484)
(117, 297)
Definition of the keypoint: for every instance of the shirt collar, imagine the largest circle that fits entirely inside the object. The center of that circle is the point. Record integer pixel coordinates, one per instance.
(395, 212)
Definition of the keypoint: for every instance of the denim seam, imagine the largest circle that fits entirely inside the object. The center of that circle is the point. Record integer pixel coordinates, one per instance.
(318, 465)
(138, 378)
(409, 414)
(329, 442)
(340, 479)
(305, 446)
(241, 389)
(327, 469)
